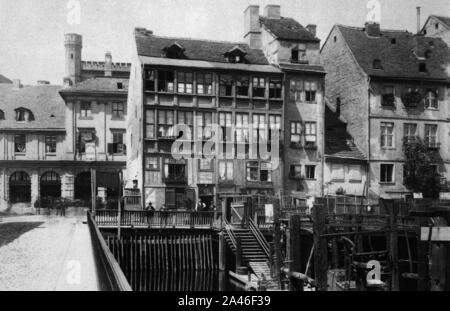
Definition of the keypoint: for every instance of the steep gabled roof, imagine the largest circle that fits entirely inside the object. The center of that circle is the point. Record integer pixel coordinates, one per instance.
(401, 59)
(43, 101)
(195, 49)
(287, 29)
(338, 142)
(4, 79)
(445, 20)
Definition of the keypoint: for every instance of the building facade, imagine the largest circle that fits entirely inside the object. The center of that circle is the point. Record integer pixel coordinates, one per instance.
(390, 86)
(437, 27)
(52, 136)
(240, 87)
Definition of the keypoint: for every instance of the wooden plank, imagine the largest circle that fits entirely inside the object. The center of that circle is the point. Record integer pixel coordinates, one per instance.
(438, 234)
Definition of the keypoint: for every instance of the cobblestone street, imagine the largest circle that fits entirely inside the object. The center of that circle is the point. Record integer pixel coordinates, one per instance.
(48, 253)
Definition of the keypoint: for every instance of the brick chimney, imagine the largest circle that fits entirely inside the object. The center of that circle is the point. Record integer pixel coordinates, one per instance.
(312, 29)
(272, 11)
(108, 64)
(418, 19)
(252, 27)
(17, 84)
(373, 29)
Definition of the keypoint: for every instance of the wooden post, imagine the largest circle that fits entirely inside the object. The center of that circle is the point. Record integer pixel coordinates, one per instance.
(222, 252)
(238, 253)
(93, 190)
(119, 216)
(320, 244)
(296, 244)
(393, 244)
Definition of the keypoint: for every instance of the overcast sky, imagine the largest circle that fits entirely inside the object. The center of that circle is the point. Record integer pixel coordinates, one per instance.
(32, 31)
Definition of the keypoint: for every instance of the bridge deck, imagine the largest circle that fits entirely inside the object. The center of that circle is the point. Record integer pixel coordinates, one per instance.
(46, 253)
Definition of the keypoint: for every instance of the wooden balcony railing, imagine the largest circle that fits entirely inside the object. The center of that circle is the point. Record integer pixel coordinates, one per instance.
(159, 219)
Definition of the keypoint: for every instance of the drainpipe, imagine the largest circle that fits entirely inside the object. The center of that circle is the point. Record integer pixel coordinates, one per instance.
(368, 137)
(322, 190)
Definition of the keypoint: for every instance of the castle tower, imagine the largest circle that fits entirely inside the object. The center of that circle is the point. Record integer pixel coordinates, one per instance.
(73, 44)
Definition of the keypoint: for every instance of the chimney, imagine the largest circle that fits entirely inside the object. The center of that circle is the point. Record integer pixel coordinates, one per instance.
(312, 29)
(252, 27)
(43, 82)
(373, 29)
(16, 84)
(418, 19)
(108, 64)
(272, 11)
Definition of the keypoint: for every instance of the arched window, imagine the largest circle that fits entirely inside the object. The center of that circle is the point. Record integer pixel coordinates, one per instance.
(2, 115)
(23, 115)
(20, 187)
(431, 100)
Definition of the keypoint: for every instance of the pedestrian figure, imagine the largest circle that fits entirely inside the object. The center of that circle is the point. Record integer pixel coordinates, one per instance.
(200, 206)
(262, 282)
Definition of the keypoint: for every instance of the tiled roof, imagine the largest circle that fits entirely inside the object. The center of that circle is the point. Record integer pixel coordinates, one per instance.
(4, 79)
(287, 29)
(399, 60)
(445, 20)
(43, 101)
(105, 85)
(212, 51)
(338, 142)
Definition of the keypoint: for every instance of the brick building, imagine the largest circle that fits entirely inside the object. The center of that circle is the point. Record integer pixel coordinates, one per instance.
(247, 89)
(389, 85)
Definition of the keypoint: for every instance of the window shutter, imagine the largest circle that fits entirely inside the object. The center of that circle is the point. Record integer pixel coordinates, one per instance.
(110, 148)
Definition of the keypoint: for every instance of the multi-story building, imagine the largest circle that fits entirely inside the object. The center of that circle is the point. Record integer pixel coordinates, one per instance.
(437, 27)
(389, 85)
(245, 89)
(52, 136)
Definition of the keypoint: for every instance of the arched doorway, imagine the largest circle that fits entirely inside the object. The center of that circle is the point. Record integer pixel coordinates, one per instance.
(83, 186)
(50, 185)
(20, 188)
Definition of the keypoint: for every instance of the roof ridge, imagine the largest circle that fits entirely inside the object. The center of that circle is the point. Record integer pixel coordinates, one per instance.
(381, 29)
(198, 39)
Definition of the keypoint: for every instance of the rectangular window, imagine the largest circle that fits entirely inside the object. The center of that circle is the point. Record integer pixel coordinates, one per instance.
(259, 87)
(174, 170)
(204, 121)
(387, 135)
(20, 143)
(118, 110)
(186, 118)
(431, 99)
(409, 132)
(204, 83)
(242, 127)
(274, 88)
(388, 96)
(166, 81)
(275, 125)
(165, 123)
(149, 77)
(150, 124)
(85, 136)
(310, 171)
(310, 91)
(354, 173)
(259, 171)
(310, 134)
(337, 172)
(386, 173)
(259, 128)
(50, 144)
(242, 85)
(151, 163)
(85, 110)
(296, 131)
(185, 80)
(118, 146)
(296, 91)
(431, 138)
(225, 125)
(225, 85)
(295, 171)
(225, 170)
(206, 164)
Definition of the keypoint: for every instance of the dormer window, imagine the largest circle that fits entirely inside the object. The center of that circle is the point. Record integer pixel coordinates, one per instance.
(175, 50)
(377, 64)
(2, 115)
(298, 55)
(236, 55)
(24, 115)
(393, 41)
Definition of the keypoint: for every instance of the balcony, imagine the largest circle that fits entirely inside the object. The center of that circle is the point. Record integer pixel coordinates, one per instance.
(117, 149)
(310, 145)
(175, 179)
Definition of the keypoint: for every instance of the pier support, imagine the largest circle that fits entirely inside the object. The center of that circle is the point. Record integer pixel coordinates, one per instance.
(222, 252)
(320, 245)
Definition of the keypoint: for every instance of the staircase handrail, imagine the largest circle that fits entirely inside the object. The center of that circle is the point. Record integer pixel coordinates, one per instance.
(230, 233)
(259, 237)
